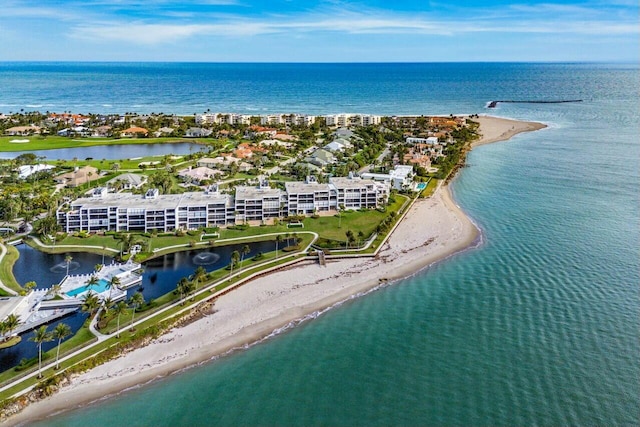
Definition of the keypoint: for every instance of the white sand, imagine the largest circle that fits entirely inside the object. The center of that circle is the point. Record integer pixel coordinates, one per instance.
(432, 230)
(494, 129)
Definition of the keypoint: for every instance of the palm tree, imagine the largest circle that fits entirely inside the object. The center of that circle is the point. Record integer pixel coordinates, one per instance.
(90, 303)
(12, 321)
(68, 260)
(235, 257)
(199, 275)
(135, 301)
(60, 332)
(55, 289)
(183, 288)
(118, 309)
(114, 282)
(3, 330)
(245, 251)
(40, 336)
(278, 240)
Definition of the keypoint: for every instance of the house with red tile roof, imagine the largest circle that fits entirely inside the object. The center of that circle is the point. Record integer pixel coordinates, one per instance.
(133, 132)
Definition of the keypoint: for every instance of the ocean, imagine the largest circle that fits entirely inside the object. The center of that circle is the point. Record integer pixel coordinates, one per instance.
(537, 326)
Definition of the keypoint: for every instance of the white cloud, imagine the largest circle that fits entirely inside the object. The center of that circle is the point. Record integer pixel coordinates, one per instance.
(344, 22)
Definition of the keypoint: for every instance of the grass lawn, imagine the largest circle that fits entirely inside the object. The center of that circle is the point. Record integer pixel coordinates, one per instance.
(334, 228)
(430, 188)
(6, 269)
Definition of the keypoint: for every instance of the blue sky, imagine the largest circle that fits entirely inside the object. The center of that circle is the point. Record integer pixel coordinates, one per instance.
(322, 31)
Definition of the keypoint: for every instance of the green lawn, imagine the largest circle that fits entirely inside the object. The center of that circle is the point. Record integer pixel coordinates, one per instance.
(334, 228)
(430, 188)
(6, 269)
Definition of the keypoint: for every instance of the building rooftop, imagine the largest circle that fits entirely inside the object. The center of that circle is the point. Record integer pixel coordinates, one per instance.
(133, 201)
(303, 187)
(350, 182)
(252, 192)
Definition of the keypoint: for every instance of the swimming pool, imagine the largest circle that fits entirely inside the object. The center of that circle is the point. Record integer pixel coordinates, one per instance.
(99, 287)
(421, 186)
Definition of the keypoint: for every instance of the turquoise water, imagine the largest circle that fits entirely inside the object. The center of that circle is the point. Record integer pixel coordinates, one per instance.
(99, 287)
(537, 326)
(421, 186)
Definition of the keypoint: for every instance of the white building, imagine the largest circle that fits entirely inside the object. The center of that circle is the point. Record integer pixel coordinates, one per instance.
(432, 140)
(26, 171)
(133, 212)
(346, 119)
(399, 178)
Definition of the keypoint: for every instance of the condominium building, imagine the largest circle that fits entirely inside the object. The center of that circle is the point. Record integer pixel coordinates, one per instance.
(258, 203)
(152, 211)
(346, 119)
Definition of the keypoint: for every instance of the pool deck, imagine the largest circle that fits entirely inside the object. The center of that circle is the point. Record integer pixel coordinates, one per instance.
(39, 307)
(125, 272)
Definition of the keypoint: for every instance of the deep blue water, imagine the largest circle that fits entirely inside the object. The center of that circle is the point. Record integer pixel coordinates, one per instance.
(538, 326)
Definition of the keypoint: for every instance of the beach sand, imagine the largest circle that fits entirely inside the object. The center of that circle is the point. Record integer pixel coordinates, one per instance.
(432, 230)
(494, 129)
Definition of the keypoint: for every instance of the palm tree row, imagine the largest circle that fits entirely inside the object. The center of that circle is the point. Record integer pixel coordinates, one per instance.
(41, 335)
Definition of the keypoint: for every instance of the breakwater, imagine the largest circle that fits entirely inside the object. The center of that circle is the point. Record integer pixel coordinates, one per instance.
(494, 104)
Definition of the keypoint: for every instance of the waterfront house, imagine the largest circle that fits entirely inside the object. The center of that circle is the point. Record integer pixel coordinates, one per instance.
(134, 132)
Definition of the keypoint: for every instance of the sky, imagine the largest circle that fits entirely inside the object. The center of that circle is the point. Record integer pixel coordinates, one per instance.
(319, 31)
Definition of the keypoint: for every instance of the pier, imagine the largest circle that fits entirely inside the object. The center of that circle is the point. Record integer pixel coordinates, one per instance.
(494, 104)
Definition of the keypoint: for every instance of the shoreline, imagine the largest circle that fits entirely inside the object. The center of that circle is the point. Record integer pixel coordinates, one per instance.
(272, 304)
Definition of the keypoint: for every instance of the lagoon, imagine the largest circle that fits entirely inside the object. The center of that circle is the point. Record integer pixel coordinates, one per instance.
(112, 152)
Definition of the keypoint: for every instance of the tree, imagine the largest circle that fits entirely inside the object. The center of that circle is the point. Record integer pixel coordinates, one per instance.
(360, 237)
(350, 238)
(68, 259)
(135, 301)
(93, 280)
(114, 282)
(29, 286)
(245, 251)
(3, 331)
(60, 332)
(39, 337)
(235, 257)
(11, 322)
(55, 289)
(199, 275)
(183, 288)
(90, 303)
(117, 310)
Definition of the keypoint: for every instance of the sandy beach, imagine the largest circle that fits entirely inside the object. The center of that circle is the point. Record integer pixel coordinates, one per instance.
(494, 129)
(432, 230)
